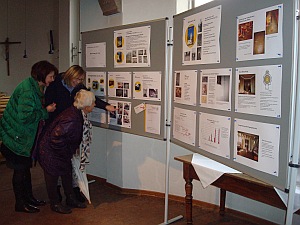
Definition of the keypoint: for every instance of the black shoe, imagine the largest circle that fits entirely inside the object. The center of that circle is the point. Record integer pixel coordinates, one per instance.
(79, 196)
(73, 203)
(58, 193)
(35, 202)
(59, 208)
(26, 208)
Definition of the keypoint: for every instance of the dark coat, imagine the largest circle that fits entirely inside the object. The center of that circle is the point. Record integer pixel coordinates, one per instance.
(57, 93)
(59, 142)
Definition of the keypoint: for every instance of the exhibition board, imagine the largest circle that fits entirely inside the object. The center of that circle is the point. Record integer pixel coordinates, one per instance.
(127, 66)
(233, 83)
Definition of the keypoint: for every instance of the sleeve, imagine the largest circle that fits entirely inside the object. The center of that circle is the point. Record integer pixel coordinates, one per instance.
(99, 102)
(50, 94)
(29, 110)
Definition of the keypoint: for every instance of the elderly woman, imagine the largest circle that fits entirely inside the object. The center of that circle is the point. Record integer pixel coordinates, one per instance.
(62, 92)
(59, 142)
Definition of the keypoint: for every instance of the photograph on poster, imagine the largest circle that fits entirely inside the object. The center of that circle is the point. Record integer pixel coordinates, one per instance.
(272, 21)
(248, 145)
(245, 31)
(247, 84)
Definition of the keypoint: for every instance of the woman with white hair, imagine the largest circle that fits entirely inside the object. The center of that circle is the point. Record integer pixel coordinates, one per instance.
(56, 147)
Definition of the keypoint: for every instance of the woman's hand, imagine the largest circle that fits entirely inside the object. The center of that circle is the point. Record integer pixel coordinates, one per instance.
(110, 108)
(51, 107)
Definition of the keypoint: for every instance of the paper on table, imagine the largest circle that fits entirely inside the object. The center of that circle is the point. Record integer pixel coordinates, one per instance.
(209, 170)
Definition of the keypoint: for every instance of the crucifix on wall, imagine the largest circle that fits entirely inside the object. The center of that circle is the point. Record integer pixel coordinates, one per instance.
(7, 43)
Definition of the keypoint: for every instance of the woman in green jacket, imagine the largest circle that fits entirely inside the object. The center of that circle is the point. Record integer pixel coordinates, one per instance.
(18, 128)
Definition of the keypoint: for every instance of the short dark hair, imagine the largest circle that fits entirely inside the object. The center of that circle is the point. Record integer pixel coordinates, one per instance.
(41, 69)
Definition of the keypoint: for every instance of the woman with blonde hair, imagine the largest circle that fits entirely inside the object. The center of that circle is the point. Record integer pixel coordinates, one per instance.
(60, 140)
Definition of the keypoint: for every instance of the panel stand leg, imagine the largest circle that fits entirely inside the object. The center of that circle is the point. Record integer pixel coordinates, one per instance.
(188, 201)
(222, 201)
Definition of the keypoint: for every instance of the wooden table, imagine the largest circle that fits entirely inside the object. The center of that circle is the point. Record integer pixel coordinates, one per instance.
(240, 184)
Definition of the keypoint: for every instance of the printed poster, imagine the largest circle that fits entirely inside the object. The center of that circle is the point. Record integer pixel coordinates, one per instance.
(259, 34)
(256, 145)
(214, 134)
(147, 85)
(184, 125)
(95, 55)
(152, 118)
(132, 47)
(215, 89)
(201, 37)
(258, 90)
(119, 84)
(185, 87)
(96, 83)
(122, 116)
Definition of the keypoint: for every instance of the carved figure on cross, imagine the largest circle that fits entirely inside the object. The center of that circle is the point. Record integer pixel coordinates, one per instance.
(7, 43)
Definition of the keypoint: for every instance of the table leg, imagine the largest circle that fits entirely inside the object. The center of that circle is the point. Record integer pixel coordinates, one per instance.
(222, 201)
(188, 200)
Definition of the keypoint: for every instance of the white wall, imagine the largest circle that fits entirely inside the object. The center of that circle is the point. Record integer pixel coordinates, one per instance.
(41, 17)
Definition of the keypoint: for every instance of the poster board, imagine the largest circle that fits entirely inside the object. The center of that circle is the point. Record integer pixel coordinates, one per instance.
(119, 75)
(219, 131)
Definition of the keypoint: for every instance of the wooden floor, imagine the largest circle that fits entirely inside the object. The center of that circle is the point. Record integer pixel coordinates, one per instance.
(109, 207)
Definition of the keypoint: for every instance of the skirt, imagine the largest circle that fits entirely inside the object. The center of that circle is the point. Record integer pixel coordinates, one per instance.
(15, 161)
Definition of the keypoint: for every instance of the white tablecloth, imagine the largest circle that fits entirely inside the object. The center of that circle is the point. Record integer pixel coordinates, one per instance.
(209, 170)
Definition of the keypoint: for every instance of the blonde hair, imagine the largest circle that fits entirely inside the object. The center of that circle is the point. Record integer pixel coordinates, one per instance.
(73, 72)
(83, 98)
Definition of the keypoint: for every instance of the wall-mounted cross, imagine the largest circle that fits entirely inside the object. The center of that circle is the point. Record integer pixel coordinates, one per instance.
(7, 43)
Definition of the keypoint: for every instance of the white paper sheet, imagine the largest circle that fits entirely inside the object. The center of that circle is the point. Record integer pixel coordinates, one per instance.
(209, 170)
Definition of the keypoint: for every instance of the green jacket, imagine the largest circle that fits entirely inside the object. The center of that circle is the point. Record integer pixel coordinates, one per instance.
(19, 123)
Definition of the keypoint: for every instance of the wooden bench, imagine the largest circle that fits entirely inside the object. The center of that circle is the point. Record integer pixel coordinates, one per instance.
(240, 184)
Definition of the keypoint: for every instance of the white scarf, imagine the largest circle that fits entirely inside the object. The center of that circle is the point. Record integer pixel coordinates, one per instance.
(86, 141)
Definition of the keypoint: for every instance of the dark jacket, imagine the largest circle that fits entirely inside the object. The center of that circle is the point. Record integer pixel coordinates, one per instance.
(57, 93)
(59, 142)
